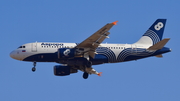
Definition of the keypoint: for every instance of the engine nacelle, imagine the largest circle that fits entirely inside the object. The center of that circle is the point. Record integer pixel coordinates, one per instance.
(63, 70)
(66, 53)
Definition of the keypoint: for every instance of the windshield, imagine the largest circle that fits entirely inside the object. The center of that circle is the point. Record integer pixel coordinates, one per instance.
(21, 47)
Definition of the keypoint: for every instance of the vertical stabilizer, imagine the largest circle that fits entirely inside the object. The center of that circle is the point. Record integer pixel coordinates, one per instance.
(154, 34)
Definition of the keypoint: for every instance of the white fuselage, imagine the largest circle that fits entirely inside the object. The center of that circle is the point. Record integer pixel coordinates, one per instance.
(30, 49)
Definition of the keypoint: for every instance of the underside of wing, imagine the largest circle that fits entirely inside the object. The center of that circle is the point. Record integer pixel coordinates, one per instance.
(92, 42)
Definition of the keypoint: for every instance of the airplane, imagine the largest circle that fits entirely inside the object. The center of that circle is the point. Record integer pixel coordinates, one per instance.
(81, 56)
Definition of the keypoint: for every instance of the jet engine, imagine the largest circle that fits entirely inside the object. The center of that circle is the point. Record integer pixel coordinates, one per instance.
(60, 70)
(66, 53)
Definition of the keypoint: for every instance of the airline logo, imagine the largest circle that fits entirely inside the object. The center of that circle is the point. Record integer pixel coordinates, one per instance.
(158, 26)
(66, 52)
(52, 44)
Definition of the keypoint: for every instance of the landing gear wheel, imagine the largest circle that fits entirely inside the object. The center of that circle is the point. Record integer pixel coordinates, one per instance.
(85, 75)
(33, 69)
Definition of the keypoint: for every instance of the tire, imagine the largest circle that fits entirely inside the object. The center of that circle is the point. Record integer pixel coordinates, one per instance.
(85, 75)
(33, 69)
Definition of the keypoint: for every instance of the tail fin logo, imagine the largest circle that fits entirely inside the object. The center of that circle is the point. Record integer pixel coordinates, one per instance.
(154, 33)
(158, 26)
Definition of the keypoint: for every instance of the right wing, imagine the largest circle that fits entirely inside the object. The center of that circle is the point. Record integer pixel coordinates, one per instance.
(92, 42)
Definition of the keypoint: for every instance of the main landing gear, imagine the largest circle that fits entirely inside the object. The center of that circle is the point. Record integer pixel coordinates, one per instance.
(87, 65)
(85, 75)
(34, 68)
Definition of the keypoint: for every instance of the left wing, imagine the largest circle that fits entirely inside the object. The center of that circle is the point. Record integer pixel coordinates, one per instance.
(92, 42)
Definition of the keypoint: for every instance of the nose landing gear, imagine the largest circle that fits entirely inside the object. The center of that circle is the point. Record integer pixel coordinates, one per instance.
(34, 68)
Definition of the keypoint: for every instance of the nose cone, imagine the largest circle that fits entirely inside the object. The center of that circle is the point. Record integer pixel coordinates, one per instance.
(12, 55)
(16, 55)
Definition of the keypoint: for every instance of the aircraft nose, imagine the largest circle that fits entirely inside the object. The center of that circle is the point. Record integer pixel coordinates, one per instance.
(12, 55)
(16, 54)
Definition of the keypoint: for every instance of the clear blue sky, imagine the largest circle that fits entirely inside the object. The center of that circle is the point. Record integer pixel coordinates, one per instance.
(150, 79)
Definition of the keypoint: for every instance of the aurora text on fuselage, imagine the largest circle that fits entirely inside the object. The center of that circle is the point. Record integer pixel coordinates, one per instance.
(52, 44)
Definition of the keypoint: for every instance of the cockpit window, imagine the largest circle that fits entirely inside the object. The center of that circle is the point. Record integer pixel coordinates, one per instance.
(22, 47)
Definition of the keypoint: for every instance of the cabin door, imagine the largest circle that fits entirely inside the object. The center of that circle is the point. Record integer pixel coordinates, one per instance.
(34, 47)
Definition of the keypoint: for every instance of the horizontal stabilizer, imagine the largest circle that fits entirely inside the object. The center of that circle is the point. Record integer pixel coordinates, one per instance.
(159, 56)
(159, 45)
